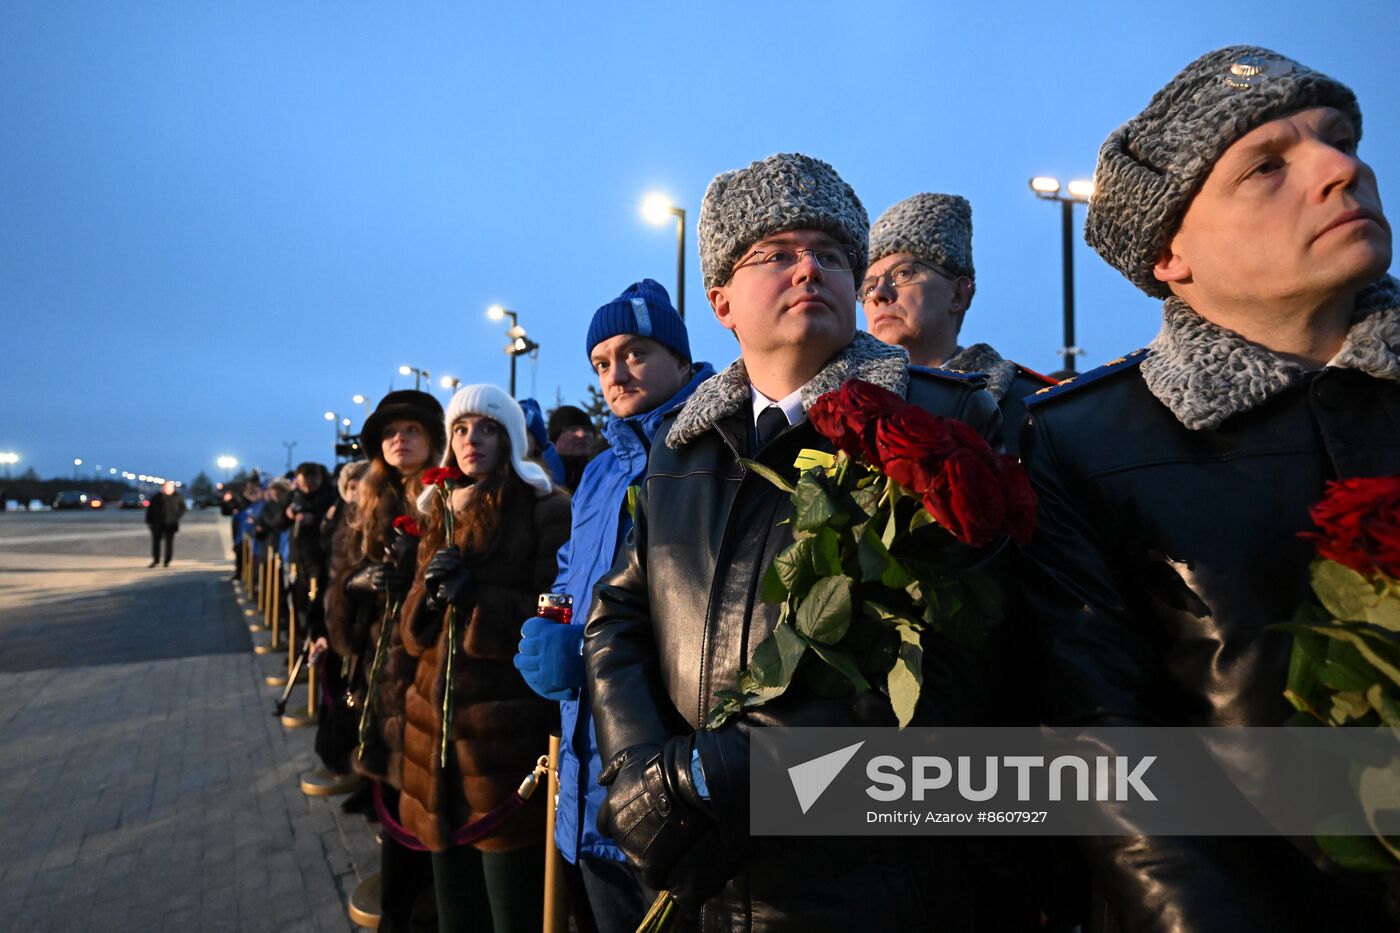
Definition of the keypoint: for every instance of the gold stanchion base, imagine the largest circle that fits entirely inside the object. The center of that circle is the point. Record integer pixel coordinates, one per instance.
(325, 783)
(256, 627)
(250, 611)
(299, 719)
(280, 680)
(364, 908)
(264, 649)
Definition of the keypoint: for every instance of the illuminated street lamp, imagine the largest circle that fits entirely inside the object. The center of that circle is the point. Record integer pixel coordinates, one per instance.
(656, 208)
(520, 342)
(450, 383)
(1076, 192)
(77, 462)
(359, 399)
(227, 463)
(334, 419)
(418, 374)
(8, 458)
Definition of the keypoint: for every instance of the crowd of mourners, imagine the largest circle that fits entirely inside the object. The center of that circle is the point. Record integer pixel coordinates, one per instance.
(1173, 485)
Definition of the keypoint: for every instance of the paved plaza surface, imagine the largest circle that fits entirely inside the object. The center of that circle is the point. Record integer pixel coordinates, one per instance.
(144, 783)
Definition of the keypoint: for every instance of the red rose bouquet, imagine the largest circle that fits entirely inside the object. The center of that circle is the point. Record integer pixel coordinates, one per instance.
(1345, 667)
(887, 533)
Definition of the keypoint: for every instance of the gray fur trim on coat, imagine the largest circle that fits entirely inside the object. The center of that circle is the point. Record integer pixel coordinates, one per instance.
(727, 392)
(1205, 374)
(981, 358)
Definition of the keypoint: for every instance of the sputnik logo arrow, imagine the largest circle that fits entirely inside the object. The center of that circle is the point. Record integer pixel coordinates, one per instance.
(811, 778)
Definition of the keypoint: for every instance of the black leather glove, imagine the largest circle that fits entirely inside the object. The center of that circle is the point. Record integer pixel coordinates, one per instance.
(653, 811)
(377, 578)
(449, 582)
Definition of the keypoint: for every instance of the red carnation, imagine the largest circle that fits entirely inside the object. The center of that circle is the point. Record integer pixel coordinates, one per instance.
(847, 416)
(408, 526)
(441, 476)
(1360, 525)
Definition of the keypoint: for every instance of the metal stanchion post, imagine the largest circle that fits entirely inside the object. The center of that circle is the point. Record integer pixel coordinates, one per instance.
(556, 894)
(265, 604)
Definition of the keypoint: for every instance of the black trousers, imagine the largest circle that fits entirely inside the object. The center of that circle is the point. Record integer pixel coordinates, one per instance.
(164, 533)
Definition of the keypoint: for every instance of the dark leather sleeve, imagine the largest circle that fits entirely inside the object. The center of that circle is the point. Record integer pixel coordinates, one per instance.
(1098, 664)
(622, 675)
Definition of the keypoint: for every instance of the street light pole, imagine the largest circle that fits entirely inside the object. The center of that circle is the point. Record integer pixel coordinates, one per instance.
(418, 375)
(289, 445)
(1077, 192)
(334, 419)
(520, 343)
(656, 208)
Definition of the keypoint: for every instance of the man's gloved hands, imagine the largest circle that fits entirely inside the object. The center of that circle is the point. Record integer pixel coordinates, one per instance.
(449, 582)
(549, 658)
(656, 815)
(378, 578)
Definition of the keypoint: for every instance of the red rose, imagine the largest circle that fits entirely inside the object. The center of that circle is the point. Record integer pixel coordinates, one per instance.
(408, 526)
(1360, 522)
(847, 416)
(1020, 499)
(909, 445)
(440, 476)
(966, 498)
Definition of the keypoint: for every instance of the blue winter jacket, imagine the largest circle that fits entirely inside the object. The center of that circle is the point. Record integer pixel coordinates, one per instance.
(600, 524)
(246, 520)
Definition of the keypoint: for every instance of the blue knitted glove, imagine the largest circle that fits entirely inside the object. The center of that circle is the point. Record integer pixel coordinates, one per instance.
(549, 658)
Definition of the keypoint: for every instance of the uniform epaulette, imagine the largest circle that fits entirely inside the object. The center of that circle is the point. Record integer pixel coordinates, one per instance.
(1121, 365)
(1038, 377)
(952, 375)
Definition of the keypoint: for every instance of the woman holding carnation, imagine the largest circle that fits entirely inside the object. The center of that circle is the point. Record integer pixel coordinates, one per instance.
(372, 565)
(475, 728)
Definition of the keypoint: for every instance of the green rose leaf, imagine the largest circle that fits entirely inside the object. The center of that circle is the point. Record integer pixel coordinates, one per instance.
(774, 590)
(769, 474)
(1357, 853)
(774, 663)
(921, 519)
(1378, 788)
(1348, 706)
(1385, 613)
(906, 677)
(728, 702)
(813, 507)
(826, 553)
(793, 566)
(1344, 669)
(877, 564)
(825, 615)
(1344, 592)
(1385, 705)
(842, 662)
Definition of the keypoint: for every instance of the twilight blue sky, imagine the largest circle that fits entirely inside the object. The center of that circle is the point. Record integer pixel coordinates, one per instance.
(218, 220)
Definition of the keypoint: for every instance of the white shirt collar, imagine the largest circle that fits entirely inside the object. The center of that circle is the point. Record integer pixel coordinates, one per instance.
(791, 405)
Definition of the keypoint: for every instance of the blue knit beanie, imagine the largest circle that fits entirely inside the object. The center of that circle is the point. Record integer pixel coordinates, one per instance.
(643, 309)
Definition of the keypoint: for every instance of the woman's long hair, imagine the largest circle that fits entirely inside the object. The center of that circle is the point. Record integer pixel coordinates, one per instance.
(383, 496)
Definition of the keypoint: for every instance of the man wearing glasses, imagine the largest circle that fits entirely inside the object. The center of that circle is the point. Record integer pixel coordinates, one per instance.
(917, 291)
(782, 248)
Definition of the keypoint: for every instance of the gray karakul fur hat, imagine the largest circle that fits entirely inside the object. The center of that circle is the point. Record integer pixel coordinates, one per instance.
(936, 227)
(1152, 166)
(786, 191)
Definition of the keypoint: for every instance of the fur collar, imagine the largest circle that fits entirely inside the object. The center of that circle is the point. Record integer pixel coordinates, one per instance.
(1204, 374)
(727, 392)
(981, 358)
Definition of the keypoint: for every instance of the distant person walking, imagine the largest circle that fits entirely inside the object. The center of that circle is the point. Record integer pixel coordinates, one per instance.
(163, 518)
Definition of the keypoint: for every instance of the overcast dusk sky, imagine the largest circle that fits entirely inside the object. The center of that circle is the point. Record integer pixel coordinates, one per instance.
(219, 220)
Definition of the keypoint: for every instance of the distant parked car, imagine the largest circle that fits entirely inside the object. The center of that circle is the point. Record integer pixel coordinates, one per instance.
(72, 499)
(134, 500)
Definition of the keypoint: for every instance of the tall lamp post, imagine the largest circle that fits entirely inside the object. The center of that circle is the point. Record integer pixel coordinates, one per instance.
(227, 463)
(9, 458)
(656, 208)
(359, 399)
(418, 375)
(520, 342)
(77, 462)
(334, 419)
(450, 383)
(1076, 192)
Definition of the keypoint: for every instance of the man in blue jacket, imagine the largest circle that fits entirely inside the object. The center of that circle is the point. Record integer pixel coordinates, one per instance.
(638, 347)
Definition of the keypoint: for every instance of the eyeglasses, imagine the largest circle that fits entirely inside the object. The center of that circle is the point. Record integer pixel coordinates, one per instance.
(784, 258)
(913, 272)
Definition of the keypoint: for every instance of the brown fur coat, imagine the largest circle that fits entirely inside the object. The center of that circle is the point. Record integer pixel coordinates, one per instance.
(499, 725)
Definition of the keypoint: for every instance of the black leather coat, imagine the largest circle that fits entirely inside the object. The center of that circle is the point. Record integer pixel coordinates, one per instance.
(1161, 556)
(679, 617)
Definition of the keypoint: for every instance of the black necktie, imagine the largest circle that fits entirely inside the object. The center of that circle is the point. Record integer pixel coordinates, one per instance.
(771, 422)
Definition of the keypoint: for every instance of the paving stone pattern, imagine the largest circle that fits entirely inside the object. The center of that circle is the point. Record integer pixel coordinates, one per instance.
(161, 794)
